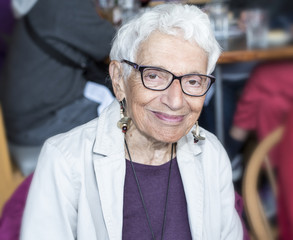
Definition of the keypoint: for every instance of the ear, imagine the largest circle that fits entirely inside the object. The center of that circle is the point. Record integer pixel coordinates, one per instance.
(116, 74)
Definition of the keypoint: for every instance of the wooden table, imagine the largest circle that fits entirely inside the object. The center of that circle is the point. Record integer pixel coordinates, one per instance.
(236, 50)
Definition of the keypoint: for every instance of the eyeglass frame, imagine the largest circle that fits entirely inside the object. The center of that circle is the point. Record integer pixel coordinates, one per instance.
(140, 68)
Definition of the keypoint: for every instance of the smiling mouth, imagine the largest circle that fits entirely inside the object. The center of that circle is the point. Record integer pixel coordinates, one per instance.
(169, 118)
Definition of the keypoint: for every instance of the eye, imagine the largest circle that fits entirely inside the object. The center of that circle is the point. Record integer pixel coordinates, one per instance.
(193, 81)
(150, 74)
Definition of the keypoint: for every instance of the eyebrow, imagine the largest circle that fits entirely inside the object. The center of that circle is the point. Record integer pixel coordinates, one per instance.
(163, 68)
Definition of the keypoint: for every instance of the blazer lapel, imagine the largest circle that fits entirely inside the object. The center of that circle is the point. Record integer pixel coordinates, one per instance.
(109, 165)
(110, 175)
(191, 170)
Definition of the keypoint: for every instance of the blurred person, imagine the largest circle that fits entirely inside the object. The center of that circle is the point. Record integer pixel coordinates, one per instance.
(6, 26)
(267, 98)
(266, 101)
(22, 7)
(42, 96)
(263, 106)
(236, 75)
(143, 169)
(262, 86)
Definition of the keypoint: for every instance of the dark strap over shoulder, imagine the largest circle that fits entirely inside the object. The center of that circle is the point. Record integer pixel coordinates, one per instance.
(92, 70)
(49, 49)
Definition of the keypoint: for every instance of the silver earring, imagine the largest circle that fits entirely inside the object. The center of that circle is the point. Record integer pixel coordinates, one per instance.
(196, 134)
(124, 121)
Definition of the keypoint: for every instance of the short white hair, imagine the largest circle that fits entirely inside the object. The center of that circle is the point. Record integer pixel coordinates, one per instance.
(186, 21)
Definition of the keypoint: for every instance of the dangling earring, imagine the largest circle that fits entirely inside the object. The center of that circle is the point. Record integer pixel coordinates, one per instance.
(196, 134)
(124, 121)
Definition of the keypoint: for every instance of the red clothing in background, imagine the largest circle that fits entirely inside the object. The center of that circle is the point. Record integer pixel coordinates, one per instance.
(10, 221)
(266, 99)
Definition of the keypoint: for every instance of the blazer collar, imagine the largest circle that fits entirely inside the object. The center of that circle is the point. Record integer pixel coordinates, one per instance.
(109, 138)
(109, 166)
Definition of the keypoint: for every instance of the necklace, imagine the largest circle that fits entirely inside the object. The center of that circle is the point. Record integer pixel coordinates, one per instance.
(142, 198)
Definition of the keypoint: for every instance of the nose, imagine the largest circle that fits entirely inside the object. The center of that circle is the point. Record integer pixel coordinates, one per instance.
(173, 95)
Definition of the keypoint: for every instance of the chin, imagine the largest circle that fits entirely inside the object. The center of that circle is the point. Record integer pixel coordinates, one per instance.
(168, 137)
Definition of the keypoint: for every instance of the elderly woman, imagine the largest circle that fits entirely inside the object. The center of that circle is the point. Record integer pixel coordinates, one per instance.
(143, 169)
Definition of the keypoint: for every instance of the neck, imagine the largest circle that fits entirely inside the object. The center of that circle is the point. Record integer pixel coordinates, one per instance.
(147, 151)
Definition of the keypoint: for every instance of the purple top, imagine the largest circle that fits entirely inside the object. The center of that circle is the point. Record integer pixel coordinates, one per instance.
(153, 181)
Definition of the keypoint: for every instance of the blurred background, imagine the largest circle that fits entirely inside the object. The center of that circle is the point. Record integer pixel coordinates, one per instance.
(53, 65)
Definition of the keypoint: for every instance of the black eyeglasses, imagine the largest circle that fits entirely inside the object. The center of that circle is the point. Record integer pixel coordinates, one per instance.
(158, 79)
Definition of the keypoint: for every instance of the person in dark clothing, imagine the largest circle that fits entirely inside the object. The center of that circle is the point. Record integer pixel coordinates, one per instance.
(6, 26)
(40, 95)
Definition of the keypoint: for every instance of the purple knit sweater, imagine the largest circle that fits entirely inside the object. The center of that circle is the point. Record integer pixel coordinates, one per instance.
(153, 181)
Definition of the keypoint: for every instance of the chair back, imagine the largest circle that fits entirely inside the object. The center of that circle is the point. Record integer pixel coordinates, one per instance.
(258, 162)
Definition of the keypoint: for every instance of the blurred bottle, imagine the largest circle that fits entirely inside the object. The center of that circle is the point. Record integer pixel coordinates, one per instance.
(257, 26)
(219, 16)
(109, 10)
(129, 8)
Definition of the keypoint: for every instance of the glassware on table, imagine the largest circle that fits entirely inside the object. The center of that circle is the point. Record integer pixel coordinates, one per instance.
(219, 16)
(104, 8)
(129, 8)
(117, 11)
(109, 10)
(257, 25)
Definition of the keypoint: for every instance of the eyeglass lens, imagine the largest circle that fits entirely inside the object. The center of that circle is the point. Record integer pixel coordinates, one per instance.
(158, 79)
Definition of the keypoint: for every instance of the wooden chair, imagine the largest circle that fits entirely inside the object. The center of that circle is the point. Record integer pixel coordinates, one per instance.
(258, 222)
(10, 177)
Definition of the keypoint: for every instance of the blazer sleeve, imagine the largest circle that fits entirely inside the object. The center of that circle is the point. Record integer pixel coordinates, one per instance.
(51, 207)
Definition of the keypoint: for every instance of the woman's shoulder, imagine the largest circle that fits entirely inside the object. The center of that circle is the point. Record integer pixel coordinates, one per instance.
(69, 147)
(213, 149)
(211, 140)
(210, 143)
(76, 135)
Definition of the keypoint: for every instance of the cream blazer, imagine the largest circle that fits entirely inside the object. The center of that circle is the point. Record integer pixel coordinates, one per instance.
(77, 189)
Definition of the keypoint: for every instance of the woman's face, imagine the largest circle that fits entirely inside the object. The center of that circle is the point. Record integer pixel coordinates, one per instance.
(168, 115)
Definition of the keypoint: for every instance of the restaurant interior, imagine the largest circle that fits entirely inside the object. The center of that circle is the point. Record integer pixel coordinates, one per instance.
(249, 108)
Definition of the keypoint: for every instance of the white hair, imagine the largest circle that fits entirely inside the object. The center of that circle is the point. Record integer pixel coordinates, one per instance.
(186, 21)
